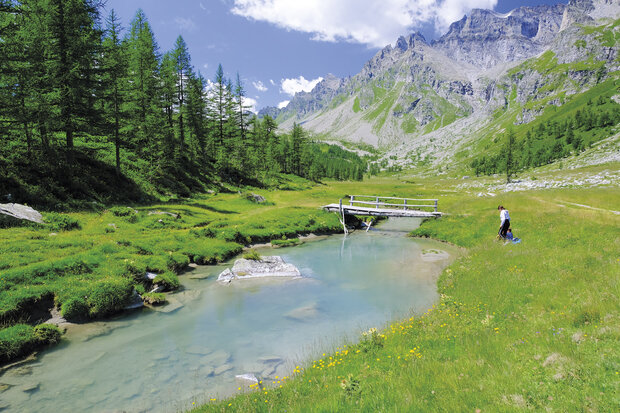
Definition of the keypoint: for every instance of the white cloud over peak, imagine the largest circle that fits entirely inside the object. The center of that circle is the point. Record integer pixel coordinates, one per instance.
(371, 22)
(260, 86)
(251, 104)
(283, 104)
(292, 86)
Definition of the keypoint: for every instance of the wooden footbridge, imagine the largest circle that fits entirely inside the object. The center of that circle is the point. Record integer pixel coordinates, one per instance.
(384, 206)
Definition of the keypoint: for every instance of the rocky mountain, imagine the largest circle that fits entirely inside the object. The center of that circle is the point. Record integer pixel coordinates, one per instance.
(431, 100)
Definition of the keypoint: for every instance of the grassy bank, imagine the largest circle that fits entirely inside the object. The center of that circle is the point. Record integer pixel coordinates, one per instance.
(532, 326)
(88, 264)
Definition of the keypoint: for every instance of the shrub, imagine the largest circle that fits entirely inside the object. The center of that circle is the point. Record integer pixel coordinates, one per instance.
(252, 255)
(168, 280)
(285, 242)
(109, 296)
(140, 289)
(122, 211)
(371, 340)
(47, 333)
(177, 262)
(154, 298)
(61, 222)
(74, 309)
(202, 233)
(16, 340)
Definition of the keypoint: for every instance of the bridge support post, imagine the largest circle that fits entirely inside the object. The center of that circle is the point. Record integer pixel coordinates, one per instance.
(343, 220)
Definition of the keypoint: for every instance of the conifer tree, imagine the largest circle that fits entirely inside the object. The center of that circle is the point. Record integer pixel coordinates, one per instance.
(183, 73)
(115, 77)
(144, 102)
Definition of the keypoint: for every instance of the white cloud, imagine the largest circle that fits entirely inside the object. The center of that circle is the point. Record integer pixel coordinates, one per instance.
(283, 104)
(202, 6)
(292, 86)
(205, 66)
(185, 24)
(259, 86)
(272, 82)
(371, 22)
(250, 103)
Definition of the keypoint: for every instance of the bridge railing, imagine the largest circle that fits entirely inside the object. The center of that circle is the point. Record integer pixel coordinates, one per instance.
(392, 202)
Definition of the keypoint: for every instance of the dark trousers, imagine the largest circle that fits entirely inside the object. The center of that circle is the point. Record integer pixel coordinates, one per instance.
(504, 228)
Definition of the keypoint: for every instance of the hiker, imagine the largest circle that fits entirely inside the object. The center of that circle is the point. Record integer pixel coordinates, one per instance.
(505, 221)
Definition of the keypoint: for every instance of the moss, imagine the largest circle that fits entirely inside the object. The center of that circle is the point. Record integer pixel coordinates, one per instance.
(168, 280)
(47, 333)
(154, 298)
(74, 309)
(252, 255)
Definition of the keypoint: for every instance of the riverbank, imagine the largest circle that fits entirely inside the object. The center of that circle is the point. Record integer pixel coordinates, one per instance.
(527, 326)
(88, 264)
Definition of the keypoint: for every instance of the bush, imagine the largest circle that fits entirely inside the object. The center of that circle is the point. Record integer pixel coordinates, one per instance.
(154, 298)
(61, 222)
(109, 296)
(16, 341)
(285, 242)
(74, 309)
(177, 262)
(252, 255)
(122, 211)
(168, 280)
(47, 333)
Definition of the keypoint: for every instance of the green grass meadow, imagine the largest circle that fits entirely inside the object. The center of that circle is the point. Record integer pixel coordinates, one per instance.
(529, 326)
(532, 326)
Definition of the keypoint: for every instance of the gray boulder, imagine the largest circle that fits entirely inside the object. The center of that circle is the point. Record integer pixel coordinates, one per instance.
(265, 267)
(21, 212)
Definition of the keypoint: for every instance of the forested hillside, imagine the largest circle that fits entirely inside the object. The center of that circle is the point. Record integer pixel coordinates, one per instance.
(92, 112)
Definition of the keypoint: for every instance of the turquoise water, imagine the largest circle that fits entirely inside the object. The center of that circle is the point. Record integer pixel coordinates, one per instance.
(163, 361)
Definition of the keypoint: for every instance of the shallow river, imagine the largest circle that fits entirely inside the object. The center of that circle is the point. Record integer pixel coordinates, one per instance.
(163, 361)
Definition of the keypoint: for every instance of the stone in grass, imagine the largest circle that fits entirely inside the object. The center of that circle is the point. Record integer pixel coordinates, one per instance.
(265, 267)
(19, 211)
(246, 379)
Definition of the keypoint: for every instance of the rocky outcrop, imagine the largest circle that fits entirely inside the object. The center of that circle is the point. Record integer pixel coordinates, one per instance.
(265, 267)
(485, 38)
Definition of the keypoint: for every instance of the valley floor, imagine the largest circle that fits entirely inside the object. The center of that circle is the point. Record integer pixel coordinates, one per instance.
(519, 327)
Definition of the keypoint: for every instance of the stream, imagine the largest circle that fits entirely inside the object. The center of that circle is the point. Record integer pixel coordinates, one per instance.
(191, 349)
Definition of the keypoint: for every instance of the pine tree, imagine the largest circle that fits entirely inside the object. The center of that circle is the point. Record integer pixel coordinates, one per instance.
(74, 45)
(144, 102)
(183, 73)
(114, 68)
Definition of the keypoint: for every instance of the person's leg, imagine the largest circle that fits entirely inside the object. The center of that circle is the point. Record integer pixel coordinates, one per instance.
(504, 228)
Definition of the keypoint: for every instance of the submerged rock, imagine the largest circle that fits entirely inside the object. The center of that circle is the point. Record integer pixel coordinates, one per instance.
(304, 313)
(265, 267)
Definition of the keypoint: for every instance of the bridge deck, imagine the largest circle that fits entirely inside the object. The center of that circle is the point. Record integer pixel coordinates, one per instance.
(385, 212)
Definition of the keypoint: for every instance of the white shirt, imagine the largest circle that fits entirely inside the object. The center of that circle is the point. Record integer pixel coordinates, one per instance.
(503, 215)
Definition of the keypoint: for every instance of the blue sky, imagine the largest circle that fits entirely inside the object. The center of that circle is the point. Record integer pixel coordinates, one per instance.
(283, 46)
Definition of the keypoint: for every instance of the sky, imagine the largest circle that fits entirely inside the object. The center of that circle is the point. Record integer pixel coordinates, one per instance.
(281, 47)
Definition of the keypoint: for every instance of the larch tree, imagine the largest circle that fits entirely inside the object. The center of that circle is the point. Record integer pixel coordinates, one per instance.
(114, 69)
